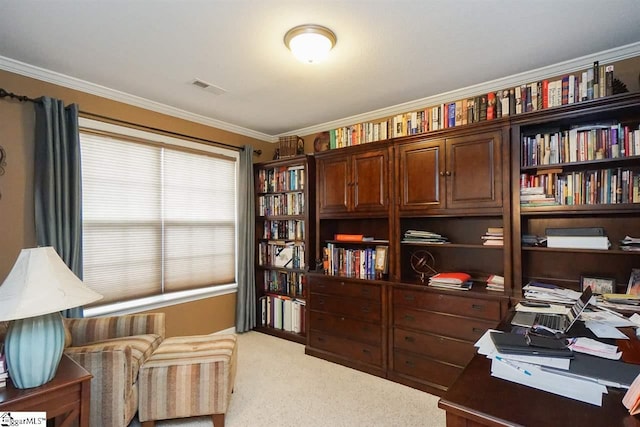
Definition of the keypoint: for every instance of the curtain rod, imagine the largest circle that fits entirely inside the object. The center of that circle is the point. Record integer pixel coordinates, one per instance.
(167, 132)
(22, 98)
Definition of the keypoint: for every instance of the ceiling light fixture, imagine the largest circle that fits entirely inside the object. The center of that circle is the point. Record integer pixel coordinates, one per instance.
(310, 43)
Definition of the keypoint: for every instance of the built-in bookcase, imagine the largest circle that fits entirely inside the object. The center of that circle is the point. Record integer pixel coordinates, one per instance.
(584, 162)
(285, 232)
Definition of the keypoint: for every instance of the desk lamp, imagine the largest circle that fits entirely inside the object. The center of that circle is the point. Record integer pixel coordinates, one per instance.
(37, 288)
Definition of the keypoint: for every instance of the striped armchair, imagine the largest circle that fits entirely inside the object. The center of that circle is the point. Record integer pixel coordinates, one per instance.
(113, 349)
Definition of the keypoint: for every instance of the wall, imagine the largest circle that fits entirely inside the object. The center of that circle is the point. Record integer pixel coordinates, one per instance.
(16, 185)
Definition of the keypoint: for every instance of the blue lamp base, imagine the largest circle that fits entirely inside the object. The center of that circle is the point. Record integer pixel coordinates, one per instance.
(33, 348)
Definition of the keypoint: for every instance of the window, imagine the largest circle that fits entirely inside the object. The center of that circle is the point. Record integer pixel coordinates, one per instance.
(159, 214)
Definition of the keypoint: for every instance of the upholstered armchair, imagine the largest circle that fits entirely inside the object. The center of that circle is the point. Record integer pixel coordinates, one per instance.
(113, 349)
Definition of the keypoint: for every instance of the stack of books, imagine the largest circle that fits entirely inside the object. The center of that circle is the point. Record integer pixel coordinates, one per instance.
(495, 283)
(577, 238)
(630, 244)
(535, 196)
(421, 236)
(455, 280)
(533, 240)
(4, 374)
(494, 236)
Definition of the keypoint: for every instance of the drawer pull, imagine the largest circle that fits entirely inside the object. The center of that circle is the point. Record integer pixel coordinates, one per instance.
(321, 339)
(409, 297)
(341, 283)
(409, 318)
(366, 309)
(366, 351)
(366, 291)
(478, 330)
(342, 319)
(409, 339)
(321, 301)
(409, 363)
(477, 306)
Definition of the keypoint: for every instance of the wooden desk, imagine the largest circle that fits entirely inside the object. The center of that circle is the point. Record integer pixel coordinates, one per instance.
(477, 399)
(65, 398)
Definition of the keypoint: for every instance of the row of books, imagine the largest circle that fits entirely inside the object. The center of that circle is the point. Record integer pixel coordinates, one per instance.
(292, 229)
(423, 236)
(281, 204)
(594, 82)
(358, 263)
(289, 283)
(281, 179)
(580, 144)
(604, 186)
(493, 237)
(280, 312)
(281, 254)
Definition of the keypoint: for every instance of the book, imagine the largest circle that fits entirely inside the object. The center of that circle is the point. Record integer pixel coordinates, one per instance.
(575, 231)
(452, 277)
(348, 237)
(578, 242)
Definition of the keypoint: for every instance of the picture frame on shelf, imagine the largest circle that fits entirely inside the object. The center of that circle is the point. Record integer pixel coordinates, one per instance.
(381, 263)
(633, 287)
(598, 285)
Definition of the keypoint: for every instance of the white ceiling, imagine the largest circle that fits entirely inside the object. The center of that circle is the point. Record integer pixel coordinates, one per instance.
(389, 53)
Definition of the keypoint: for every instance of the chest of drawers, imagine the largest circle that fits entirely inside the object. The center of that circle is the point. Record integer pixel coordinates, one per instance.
(432, 333)
(346, 322)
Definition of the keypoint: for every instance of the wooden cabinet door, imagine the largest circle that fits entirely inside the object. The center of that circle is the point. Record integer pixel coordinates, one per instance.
(369, 189)
(474, 171)
(334, 184)
(421, 179)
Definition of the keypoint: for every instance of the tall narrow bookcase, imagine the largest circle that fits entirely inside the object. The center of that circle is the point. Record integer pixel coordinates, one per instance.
(285, 248)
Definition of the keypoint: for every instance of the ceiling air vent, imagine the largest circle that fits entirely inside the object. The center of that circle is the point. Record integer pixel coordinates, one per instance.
(208, 87)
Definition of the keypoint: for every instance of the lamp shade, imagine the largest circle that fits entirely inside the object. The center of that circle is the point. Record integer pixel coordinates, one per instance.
(37, 288)
(41, 283)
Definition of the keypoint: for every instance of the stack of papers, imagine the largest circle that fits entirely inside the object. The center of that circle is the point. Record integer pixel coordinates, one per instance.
(550, 293)
(421, 236)
(584, 377)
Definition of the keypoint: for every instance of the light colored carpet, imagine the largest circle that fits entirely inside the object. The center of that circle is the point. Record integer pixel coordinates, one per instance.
(278, 385)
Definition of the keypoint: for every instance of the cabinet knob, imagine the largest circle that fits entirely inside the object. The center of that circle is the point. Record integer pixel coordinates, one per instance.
(342, 319)
(448, 173)
(442, 173)
(341, 283)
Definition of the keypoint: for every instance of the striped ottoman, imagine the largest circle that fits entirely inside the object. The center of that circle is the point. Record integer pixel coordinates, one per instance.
(187, 377)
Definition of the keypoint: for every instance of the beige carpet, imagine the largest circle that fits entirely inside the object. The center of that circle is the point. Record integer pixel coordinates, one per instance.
(278, 385)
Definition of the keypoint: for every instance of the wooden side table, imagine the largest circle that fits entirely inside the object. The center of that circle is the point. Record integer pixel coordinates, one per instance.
(65, 398)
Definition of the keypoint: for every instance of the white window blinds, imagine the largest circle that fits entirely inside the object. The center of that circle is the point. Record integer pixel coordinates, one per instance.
(156, 219)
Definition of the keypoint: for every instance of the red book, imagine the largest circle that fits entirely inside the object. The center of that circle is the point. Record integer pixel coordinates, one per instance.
(491, 106)
(455, 278)
(545, 94)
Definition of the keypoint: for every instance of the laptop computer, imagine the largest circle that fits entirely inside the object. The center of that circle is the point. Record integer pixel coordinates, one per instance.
(554, 322)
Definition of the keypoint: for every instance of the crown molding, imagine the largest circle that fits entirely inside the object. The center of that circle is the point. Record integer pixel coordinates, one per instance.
(566, 67)
(59, 79)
